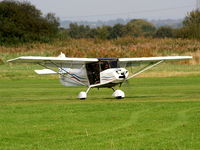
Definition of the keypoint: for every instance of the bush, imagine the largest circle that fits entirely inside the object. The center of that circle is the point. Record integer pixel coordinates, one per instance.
(139, 27)
(164, 32)
(191, 26)
(22, 22)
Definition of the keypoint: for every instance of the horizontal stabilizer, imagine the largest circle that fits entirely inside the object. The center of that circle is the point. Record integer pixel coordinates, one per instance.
(45, 71)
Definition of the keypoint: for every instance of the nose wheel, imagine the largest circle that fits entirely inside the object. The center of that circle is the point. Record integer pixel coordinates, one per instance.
(118, 94)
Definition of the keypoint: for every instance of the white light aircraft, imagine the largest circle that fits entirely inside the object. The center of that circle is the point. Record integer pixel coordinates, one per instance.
(94, 72)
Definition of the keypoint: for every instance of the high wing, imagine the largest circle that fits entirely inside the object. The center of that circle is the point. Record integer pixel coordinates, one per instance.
(133, 61)
(58, 62)
(148, 62)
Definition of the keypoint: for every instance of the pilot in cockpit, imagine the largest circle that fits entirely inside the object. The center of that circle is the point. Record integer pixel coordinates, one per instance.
(105, 66)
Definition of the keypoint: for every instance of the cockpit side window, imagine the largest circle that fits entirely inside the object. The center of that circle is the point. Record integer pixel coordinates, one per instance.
(108, 64)
(104, 65)
(114, 64)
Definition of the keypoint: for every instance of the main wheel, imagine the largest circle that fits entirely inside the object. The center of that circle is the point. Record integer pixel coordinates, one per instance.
(118, 94)
(82, 95)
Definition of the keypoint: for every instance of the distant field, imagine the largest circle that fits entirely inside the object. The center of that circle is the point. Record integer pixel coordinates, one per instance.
(158, 113)
(121, 47)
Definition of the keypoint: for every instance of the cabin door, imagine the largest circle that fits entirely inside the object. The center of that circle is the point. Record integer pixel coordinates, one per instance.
(93, 72)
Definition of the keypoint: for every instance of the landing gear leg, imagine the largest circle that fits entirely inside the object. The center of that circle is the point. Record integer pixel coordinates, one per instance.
(83, 95)
(113, 89)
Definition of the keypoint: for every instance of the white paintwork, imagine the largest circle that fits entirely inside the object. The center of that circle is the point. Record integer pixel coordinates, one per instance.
(113, 75)
(45, 71)
(154, 58)
(64, 60)
(118, 94)
(39, 59)
(82, 95)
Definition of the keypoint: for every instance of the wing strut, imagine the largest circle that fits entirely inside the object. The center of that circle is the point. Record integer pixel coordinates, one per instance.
(44, 66)
(145, 68)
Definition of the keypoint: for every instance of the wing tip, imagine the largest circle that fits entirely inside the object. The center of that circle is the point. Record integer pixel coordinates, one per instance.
(11, 60)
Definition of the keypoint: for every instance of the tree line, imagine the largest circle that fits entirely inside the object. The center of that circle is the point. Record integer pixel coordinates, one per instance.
(139, 27)
(22, 22)
(135, 28)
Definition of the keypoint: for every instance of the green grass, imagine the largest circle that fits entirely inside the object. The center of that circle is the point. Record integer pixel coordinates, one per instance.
(169, 88)
(157, 113)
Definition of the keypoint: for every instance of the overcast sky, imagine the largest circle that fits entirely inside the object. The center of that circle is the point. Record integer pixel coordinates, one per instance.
(111, 9)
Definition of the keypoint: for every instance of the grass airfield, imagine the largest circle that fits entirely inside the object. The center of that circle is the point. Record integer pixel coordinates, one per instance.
(158, 113)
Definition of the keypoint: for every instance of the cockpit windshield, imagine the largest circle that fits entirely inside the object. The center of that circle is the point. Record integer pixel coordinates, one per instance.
(94, 69)
(106, 64)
